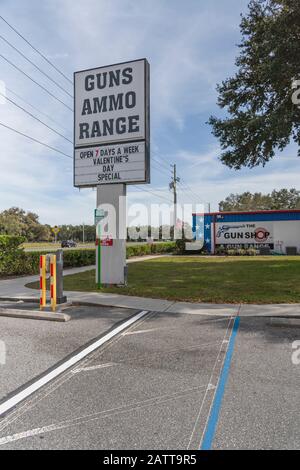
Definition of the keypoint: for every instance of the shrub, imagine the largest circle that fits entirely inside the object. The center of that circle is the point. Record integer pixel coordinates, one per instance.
(14, 261)
(148, 249)
(180, 247)
(251, 252)
(220, 250)
(231, 252)
(11, 255)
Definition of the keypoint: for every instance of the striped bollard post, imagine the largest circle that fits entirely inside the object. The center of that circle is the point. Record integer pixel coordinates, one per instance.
(42, 281)
(53, 281)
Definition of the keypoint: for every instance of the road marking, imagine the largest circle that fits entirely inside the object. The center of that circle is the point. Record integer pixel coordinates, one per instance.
(99, 366)
(219, 314)
(209, 385)
(140, 331)
(16, 399)
(158, 400)
(31, 402)
(217, 401)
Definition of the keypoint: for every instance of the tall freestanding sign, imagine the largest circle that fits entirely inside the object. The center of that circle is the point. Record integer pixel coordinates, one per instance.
(112, 148)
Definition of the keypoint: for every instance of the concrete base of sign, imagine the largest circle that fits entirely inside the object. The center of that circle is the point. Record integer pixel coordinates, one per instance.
(111, 231)
(61, 300)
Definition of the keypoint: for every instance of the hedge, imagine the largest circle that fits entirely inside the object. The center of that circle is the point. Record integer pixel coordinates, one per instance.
(11, 255)
(21, 263)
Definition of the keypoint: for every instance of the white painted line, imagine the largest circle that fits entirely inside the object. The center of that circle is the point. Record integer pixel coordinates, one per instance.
(99, 366)
(137, 332)
(218, 313)
(13, 401)
(80, 420)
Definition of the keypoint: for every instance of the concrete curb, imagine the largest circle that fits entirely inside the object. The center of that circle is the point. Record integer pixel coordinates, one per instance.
(33, 315)
(33, 300)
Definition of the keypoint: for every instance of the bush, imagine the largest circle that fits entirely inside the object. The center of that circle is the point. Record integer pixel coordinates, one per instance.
(148, 249)
(11, 255)
(241, 252)
(220, 250)
(14, 261)
(251, 252)
(181, 250)
(180, 246)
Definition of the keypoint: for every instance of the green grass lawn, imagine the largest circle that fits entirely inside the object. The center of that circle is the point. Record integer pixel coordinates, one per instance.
(272, 279)
(51, 246)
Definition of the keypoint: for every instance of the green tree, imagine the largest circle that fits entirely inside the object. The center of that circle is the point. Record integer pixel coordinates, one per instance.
(276, 200)
(262, 117)
(17, 222)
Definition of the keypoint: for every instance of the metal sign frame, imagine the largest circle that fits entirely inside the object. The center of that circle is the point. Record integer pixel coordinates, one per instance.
(145, 139)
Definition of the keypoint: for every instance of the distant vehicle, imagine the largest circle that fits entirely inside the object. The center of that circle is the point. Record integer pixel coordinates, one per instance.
(68, 244)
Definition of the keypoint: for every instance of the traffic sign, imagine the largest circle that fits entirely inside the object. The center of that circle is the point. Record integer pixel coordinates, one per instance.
(99, 215)
(55, 229)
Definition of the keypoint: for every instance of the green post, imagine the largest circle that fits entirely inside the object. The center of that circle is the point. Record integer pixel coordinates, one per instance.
(99, 258)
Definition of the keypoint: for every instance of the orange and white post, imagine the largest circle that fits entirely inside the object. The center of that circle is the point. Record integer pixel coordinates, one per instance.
(53, 281)
(42, 281)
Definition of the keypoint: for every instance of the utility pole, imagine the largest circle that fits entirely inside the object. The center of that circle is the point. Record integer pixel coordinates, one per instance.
(173, 186)
(83, 232)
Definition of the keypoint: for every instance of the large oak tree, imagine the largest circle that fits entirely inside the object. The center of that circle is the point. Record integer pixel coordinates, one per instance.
(262, 117)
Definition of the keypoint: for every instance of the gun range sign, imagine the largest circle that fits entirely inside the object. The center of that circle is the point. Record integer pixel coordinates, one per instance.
(111, 124)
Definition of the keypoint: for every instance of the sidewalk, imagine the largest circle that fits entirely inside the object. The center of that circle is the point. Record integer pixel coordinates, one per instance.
(15, 289)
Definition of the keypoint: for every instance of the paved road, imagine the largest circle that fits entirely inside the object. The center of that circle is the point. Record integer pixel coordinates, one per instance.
(158, 385)
(32, 346)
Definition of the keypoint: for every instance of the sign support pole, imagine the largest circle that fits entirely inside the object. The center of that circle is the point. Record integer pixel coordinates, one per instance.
(99, 256)
(111, 236)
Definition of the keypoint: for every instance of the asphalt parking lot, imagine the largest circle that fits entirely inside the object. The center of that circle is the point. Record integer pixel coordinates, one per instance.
(33, 346)
(158, 385)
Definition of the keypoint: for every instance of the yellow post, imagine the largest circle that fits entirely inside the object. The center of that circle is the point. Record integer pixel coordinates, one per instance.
(42, 282)
(53, 281)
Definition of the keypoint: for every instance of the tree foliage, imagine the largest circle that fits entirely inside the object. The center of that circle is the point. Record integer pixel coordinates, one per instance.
(17, 222)
(276, 200)
(262, 117)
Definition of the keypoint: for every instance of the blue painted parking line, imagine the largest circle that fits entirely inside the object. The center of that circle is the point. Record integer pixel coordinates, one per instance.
(214, 415)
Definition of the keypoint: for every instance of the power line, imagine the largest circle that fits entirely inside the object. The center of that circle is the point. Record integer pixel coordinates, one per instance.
(37, 109)
(36, 50)
(151, 192)
(36, 66)
(34, 117)
(35, 140)
(34, 81)
(189, 188)
(186, 194)
(159, 169)
(162, 163)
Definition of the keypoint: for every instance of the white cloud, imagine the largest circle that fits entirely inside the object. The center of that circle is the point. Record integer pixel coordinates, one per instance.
(190, 46)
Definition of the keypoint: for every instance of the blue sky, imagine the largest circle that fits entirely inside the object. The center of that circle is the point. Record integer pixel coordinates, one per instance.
(191, 46)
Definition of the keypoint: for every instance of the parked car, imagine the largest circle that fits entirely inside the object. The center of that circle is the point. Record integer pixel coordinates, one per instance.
(68, 244)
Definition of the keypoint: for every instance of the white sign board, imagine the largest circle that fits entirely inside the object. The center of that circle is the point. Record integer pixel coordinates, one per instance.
(124, 163)
(244, 233)
(111, 124)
